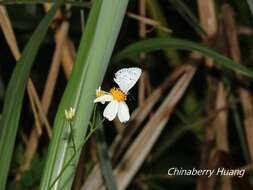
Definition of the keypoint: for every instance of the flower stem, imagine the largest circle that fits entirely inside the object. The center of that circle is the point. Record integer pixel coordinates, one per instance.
(92, 130)
(72, 136)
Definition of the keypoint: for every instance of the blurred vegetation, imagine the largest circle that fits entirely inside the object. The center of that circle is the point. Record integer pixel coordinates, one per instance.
(188, 110)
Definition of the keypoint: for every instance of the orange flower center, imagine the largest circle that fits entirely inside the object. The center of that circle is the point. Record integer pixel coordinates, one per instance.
(100, 93)
(118, 94)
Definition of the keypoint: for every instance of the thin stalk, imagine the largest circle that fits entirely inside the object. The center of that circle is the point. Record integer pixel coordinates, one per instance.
(20, 2)
(72, 136)
(104, 159)
(239, 129)
(92, 130)
(155, 11)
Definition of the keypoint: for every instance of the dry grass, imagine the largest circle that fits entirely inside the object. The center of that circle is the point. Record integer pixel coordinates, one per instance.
(133, 143)
(131, 162)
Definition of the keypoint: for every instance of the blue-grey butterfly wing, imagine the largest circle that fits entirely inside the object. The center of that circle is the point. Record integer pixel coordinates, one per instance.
(126, 78)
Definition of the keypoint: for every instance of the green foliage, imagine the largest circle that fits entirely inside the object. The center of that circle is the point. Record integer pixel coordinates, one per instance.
(15, 94)
(250, 6)
(179, 144)
(91, 63)
(188, 15)
(155, 10)
(70, 2)
(154, 44)
(105, 161)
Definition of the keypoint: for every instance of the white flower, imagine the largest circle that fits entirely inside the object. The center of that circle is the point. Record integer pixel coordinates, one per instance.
(100, 93)
(70, 114)
(125, 78)
(116, 105)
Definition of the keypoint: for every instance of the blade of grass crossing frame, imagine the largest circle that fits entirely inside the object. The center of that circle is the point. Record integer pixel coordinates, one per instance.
(239, 128)
(91, 63)
(155, 11)
(154, 44)
(76, 3)
(187, 14)
(55, 159)
(250, 3)
(105, 162)
(15, 94)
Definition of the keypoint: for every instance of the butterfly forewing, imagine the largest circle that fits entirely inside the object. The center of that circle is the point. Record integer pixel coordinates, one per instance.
(126, 78)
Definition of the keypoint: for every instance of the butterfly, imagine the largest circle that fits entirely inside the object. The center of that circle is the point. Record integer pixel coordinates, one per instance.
(126, 78)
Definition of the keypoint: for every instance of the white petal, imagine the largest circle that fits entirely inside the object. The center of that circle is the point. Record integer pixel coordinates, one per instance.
(111, 110)
(123, 112)
(98, 89)
(103, 99)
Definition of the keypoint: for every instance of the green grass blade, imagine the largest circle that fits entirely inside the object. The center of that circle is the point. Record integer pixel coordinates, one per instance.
(154, 44)
(155, 11)
(91, 63)
(239, 129)
(105, 162)
(250, 3)
(32, 2)
(15, 94)
(189, 17)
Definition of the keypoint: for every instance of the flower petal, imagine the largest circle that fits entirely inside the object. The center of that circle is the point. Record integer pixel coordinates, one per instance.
(98, 89)
(123, 112)
(103, 99)
(111, 110)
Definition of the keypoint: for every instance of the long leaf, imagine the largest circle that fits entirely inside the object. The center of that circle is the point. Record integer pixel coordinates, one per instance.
(250, 2)
(92, 60)
(155, 11)
(154, 44)
(105, 162)
(239, 127)
(15, 94)
(31, 2)
(188, 15)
